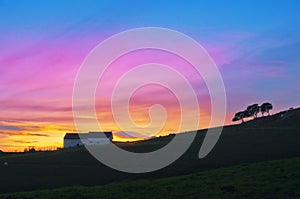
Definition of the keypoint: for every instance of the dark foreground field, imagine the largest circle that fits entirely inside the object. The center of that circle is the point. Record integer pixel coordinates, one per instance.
(271, 179)
(263, 139)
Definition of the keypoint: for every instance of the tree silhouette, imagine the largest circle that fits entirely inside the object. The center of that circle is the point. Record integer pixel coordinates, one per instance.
(253, 110)
(246, 113)
(265, 108)
(240, 116)
(235, 118)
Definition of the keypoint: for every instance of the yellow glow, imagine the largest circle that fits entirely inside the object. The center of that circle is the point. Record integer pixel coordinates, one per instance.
(120, 139)
(52, 134)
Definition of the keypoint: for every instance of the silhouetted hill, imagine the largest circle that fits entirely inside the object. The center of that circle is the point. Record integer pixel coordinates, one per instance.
(266, 138)
(282, 119)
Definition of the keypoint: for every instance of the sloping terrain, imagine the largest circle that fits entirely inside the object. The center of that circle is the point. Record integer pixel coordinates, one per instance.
(267, 138)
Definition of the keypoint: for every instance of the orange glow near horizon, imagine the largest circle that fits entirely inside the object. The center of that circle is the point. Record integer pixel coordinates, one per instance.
(43, 136)
(121, 139)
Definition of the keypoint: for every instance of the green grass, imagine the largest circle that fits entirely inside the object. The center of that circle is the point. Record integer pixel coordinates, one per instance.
(271, 179)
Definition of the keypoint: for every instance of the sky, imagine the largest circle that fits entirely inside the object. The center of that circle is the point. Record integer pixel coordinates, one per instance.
(255, 44)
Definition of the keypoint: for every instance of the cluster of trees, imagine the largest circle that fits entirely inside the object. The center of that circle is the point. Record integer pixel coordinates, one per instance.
(30, 149)
(252, 111)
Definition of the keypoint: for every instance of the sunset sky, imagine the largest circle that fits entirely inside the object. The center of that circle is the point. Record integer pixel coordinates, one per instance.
(255, 44)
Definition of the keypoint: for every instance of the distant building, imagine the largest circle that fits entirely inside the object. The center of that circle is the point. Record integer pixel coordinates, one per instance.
(87, 139)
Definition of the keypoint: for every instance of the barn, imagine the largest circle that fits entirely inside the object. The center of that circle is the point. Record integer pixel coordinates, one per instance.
(87, 139)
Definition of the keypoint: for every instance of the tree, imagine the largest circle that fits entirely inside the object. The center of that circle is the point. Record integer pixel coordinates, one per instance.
(253, 110)
(234, 119)
(240, 116)
(246, 114)
(265, 108)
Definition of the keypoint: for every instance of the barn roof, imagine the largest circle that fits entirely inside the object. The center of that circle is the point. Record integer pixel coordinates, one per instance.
(71, 136)
(88, 135)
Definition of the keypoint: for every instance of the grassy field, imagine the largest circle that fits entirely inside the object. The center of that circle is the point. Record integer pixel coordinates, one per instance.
(271, 179)
(263, 139)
